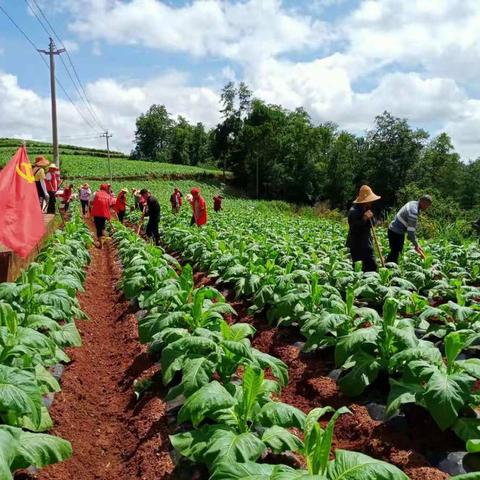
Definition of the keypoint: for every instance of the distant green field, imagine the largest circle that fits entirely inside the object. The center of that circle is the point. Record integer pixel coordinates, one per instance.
(87, 163)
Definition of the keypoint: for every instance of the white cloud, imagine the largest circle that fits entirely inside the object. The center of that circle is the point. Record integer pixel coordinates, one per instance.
(117, 105)
(209, 27)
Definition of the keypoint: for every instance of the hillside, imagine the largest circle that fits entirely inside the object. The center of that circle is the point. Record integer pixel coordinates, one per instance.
(92, 164)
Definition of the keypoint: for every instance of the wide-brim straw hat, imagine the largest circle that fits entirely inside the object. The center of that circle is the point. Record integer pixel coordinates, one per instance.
(85, 185)
(41, 162)
(125, 189)
(366, 195)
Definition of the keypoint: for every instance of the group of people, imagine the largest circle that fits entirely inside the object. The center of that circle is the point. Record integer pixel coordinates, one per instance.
(104, 201)
(48, 184)
(361, 222)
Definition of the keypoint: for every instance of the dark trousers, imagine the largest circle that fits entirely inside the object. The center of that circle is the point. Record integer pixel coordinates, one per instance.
(152, 229)
(121, 215)
(192, 221)
(99, 225)
(396, 242)
(84, 206)
(366, 256)
(51, 202)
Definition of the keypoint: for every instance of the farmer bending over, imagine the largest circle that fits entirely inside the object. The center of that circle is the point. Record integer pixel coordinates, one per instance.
(152, 211)
(359, 240)
(406, 221)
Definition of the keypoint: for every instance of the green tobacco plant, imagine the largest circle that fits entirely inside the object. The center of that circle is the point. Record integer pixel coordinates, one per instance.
(201, 353)
(316, 448)
(441, 386)
(339, 318)
(237, 423)
(367, 352)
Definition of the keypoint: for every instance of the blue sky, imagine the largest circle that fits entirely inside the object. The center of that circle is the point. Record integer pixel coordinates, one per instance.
(343, 60)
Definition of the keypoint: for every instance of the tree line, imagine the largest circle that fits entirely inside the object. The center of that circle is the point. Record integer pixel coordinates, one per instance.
(276, 153)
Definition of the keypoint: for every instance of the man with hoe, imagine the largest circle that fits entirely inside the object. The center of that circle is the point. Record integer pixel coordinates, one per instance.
(360, 221)
(152, 211)
(406, 222)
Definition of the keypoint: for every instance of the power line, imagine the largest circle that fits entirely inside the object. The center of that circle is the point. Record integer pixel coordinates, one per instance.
(29, 40)
(84, 97)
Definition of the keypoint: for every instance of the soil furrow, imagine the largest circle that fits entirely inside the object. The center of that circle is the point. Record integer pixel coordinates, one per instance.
(113, 436)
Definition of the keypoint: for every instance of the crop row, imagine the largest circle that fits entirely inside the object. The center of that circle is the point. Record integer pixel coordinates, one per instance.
(37, 315)
(299, 274)
(230, 423)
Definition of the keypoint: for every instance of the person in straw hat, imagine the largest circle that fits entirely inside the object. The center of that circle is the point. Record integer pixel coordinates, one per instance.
(406, 222)
(39, 168)
(121, 204)
(359, 240)
(85, 193)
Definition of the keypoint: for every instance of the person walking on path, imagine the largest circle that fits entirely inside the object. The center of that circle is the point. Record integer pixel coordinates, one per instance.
(217, 203)
(85, 193)
(38, 170)
(152, 211)
(52, 187)
(121, 204)
(360, 221)
(406, 222)
(102, 201)
(199, 208)
(176, 200)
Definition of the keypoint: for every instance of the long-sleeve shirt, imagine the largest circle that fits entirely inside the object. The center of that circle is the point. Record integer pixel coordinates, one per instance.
(359, 234)
(102, 201)
(153, 208)
(406, 221)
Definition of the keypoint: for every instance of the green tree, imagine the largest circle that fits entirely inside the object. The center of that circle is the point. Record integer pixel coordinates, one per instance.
(392, 149)
(153, 134)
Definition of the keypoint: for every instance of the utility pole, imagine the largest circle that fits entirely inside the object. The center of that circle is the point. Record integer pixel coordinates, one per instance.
(51, 52)
(107, 136)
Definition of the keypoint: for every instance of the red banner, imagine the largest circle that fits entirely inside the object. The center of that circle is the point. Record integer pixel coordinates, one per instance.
(21, 219)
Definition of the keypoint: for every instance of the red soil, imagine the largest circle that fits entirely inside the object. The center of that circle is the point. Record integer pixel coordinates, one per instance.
(113, 435)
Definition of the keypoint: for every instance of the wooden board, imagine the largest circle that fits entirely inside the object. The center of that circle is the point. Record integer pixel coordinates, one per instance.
(11, 264)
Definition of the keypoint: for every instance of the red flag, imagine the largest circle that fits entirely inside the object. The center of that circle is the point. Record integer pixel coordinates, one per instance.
(21, 219)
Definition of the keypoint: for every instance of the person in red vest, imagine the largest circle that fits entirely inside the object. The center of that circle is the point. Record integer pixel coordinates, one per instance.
(199, 207)
(102, 201)
(67, 197)
(52, 187)
(176, 200)
(217, 203)
(121, 204)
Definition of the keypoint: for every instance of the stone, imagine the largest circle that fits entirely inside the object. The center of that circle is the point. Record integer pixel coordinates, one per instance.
(57, 371)
(47, 400)
(141, 314)
(335, 374)
(376, 410)
(452, 463)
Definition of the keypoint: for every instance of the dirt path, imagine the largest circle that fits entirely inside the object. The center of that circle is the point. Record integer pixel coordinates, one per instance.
(113, 436)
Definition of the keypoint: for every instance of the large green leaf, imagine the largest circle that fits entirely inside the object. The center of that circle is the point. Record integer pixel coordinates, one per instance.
(196, 373)
(19, 394)
(363, 373)
(348, 344)
(357, 466)
(445, 395)
(205, 403)
(277, 367)
(280, 440)
(242, 471)
(229, 446)
(281, 414)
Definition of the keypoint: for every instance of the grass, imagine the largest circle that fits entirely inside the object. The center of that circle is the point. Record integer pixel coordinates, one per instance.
(91, 164)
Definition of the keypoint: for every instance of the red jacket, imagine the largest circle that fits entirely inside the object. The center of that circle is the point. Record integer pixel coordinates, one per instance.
(51, 182)
(102, 201)
(67, 194)
(199, 208)
(121, 202)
